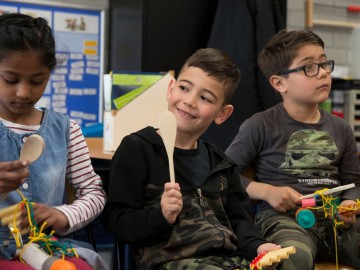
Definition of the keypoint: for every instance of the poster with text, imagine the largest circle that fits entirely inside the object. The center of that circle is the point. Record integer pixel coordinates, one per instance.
(75, 86)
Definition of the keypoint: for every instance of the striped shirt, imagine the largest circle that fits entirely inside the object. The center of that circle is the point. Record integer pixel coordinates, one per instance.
(90, 196)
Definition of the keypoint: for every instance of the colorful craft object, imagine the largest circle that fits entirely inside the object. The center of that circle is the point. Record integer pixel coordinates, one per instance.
(39, 251)
(271, 257)
(323, 200)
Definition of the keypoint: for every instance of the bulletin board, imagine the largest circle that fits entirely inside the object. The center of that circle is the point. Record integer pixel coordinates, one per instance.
(75, 86)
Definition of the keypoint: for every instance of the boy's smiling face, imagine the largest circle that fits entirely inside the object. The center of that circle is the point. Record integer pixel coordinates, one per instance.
(299, 89)
(197, 99)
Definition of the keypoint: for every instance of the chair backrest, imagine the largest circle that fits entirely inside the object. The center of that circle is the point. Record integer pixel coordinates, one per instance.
(124, 257)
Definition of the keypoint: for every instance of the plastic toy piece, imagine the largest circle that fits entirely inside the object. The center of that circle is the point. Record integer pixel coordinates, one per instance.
(308, 202)
(353, 9)
(271, 257)
(305, 218)
(311, 202)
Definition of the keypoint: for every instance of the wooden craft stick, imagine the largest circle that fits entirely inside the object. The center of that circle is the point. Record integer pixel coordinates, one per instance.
(8, 211)
(25, 231)
(22, 231)
(9, 218)
(329, 191)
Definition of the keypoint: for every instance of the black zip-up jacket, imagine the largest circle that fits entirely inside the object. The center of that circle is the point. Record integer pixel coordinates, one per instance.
(215, 219)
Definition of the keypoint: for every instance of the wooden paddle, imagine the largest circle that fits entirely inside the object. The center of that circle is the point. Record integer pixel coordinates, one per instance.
(167, 126)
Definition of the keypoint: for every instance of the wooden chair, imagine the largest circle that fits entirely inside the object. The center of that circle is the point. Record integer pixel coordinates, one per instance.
(124, 257)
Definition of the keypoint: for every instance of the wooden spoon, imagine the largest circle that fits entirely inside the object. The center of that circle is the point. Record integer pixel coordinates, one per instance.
(32, 148)
(167, 126)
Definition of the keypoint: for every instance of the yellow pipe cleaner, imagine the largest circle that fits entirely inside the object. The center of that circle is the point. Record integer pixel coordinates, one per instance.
(36, 235)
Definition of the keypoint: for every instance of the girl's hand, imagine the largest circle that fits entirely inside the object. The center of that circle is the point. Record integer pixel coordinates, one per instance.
(12, 175)
(42, 213)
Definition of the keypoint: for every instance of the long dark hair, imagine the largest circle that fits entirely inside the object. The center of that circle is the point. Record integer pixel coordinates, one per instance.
(20, 32)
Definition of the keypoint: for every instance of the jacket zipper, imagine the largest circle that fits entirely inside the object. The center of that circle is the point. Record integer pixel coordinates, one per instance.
(201, 199)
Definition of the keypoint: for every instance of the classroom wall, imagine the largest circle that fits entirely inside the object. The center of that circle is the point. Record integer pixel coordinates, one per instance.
(147, 35)
(339, 41)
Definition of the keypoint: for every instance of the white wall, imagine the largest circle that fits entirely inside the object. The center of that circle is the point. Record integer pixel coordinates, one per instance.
(338, 40)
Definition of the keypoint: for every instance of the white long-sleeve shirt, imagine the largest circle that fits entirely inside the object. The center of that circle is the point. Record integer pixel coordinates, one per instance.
(90, 196)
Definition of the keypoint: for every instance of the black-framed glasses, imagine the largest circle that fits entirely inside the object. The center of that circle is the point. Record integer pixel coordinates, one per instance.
(312, 69)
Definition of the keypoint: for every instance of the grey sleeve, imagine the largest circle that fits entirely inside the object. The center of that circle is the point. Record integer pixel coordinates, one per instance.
(243, 149)
(349, 166)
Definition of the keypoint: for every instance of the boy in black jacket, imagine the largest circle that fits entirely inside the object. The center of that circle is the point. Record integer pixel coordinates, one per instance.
(206, 223)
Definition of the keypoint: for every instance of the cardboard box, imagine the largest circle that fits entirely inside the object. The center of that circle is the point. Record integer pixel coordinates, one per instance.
(121, 87)
(142, 111)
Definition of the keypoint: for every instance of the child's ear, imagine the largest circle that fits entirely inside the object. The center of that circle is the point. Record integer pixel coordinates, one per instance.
(279, 83)
(224, 114)
(170, 88)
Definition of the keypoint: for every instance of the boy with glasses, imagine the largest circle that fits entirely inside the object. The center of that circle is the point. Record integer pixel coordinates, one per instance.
(297, 148)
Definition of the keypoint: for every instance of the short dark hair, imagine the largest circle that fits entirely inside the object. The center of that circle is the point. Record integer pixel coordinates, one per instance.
(216, 63)
(20, 32)
(282, 49)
